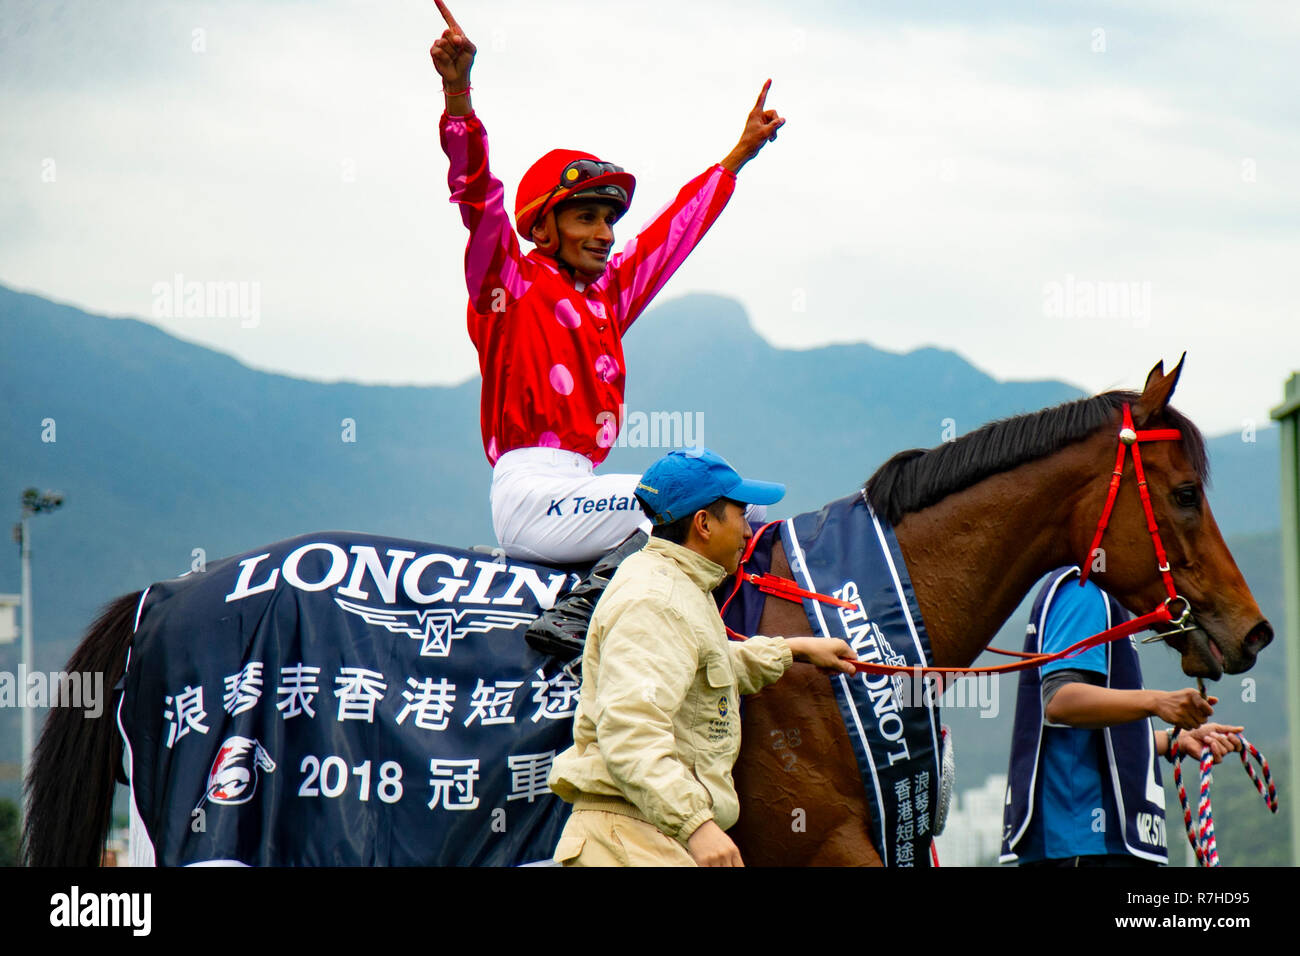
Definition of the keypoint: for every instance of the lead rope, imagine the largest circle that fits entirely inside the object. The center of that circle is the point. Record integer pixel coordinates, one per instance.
(1201, 836)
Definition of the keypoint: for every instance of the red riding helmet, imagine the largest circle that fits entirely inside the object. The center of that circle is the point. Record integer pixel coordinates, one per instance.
(564, 174)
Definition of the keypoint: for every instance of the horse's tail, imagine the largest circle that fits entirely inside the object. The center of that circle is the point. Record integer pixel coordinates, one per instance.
(74, 766)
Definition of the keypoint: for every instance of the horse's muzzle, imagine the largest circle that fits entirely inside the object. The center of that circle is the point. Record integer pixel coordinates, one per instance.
(1258, 638)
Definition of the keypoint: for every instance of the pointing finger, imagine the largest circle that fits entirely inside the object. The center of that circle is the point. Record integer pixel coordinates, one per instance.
(762, 95)
(446, 15)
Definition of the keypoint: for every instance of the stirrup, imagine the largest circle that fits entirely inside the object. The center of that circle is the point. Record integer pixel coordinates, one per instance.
(561, 631)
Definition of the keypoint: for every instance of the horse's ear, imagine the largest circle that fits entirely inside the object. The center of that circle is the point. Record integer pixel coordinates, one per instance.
(1156, 392)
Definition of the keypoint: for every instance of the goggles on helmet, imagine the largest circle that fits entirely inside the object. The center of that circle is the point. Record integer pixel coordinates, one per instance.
(580, 171)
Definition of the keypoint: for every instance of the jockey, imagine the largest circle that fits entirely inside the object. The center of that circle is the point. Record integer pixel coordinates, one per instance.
(548, 325)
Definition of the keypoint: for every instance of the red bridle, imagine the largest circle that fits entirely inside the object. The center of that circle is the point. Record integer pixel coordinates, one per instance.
(1128, 436)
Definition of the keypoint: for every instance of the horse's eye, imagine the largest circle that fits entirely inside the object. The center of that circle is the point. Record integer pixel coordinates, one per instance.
(1186, 496)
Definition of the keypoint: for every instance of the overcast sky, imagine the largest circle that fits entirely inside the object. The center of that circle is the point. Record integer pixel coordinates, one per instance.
(951, 177)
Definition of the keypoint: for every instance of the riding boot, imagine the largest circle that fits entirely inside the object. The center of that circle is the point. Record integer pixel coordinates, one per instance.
(562, 631)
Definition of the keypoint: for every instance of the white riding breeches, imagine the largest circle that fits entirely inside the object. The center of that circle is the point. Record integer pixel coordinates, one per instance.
(548, 506)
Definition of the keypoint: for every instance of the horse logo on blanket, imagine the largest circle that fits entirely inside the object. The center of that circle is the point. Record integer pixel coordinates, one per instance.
(233, 777)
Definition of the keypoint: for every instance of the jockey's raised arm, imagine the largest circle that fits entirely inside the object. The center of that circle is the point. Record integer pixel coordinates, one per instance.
(453, 55)
(760, 128)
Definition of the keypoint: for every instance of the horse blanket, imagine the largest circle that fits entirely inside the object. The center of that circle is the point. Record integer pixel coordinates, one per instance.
(345, 699)
(846, 551)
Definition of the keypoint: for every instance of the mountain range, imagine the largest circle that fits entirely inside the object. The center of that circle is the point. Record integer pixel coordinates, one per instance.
(168, 452)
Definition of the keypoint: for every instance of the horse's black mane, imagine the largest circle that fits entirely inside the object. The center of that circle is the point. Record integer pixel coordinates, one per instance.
(918, 478)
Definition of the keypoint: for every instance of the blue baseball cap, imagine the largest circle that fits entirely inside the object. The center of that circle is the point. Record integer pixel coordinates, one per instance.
(684, 481)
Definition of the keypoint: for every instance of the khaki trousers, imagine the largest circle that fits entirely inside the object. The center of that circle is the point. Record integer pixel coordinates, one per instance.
(601, 838)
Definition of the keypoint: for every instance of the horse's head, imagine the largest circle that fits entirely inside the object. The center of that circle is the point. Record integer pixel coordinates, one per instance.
(262, 758)
(1227, 629)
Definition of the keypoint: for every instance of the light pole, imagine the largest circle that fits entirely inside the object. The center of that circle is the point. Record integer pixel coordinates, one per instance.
(34, 503)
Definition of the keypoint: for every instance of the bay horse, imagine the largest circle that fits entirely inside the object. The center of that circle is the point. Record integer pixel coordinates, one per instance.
(978, 520)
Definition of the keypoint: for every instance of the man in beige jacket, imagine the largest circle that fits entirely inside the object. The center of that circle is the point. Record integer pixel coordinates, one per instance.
(657, 728)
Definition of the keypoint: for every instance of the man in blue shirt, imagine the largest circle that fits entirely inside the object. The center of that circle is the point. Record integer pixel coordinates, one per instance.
(1084, 788)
